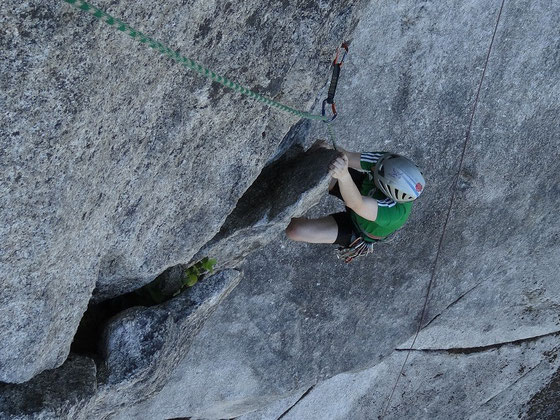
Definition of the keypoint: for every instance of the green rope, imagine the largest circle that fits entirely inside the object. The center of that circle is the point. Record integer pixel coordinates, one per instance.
(187, 62)
(331, 136)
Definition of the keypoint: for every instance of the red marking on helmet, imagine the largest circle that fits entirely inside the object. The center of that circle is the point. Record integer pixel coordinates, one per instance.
(419, 187)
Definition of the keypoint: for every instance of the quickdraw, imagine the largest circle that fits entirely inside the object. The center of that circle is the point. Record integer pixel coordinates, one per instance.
(334, 82)
(358, 248)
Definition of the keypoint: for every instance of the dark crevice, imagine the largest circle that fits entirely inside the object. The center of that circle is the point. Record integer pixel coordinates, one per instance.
(89, 334)
(296, 136)
(247, 210)
(266, 201)
(480, 349)
(305, 394)
(256, 201)
(98, 314)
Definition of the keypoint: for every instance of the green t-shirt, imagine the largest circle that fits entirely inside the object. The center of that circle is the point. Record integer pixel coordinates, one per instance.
(390, 214)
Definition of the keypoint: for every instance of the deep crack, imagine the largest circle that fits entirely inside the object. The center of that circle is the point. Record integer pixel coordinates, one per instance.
(164, 287)
(480, 349)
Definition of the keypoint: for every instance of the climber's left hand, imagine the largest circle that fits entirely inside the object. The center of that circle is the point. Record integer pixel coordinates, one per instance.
(338, 168)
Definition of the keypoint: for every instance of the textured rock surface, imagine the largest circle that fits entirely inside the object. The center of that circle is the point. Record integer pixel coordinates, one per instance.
(305, 336)
(141, 348)
(53, 394)
(493, 384)
(298, 317)
(278, 408)
(117, 164)
(287, 188)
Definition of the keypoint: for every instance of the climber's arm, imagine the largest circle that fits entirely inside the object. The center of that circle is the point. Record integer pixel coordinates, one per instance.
(366, 207)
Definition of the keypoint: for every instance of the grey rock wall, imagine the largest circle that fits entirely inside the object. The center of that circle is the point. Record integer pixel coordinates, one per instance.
(286, 188)
(303, 335)
(492, 384)
(116, 163)
(490, 333)
(53, 394)
(140, 348)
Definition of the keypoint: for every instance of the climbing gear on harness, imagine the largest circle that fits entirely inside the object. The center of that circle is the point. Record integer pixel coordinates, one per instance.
(358, 248)
(187, 62)
(334, 83)
(398, 178)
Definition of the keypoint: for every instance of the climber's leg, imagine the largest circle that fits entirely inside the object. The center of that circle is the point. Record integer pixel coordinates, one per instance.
(333, 229)
(317, 231)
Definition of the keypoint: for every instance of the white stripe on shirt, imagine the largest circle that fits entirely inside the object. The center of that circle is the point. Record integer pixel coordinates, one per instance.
(386, 203)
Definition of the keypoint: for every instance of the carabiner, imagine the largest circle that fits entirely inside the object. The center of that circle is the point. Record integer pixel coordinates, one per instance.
(324, 111)
(344, 46)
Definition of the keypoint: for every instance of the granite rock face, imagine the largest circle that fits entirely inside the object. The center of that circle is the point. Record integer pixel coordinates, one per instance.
(53, 394)
(118, 163)
(286, 188)
(304, 335)
(488, 384)
(140, 348)
(491, 332)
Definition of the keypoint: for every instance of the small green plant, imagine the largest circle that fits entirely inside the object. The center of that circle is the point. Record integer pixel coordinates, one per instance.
(159, 290)
(196, 271)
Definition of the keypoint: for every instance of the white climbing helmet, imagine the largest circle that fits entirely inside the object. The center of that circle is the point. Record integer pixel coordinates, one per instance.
(398, 178)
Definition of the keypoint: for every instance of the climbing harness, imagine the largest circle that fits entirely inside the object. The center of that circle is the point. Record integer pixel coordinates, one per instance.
(358, 248)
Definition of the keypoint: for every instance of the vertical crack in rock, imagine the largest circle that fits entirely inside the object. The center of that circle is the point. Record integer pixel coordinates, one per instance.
(287, 188)
(290, 184)
(293, 182)
(143, 346)
(479, 349)
(98, 314)
(305, 394)
(95, 319)
(104, 157)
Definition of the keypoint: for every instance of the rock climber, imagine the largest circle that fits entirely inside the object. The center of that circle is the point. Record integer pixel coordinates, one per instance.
(377, 188)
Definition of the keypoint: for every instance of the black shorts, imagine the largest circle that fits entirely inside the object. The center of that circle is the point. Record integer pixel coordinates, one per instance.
(347, 233)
